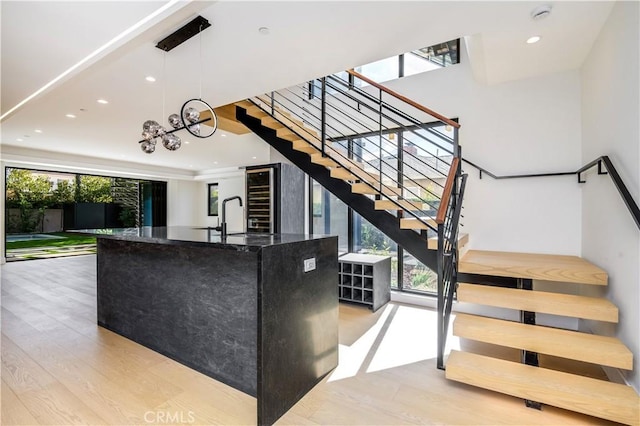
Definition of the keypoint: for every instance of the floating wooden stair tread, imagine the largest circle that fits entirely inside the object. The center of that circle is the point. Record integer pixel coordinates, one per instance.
(403, 205)
(606, 400)
(342, 173)
(317, 158)
(363, 188)
(413, 223)
(538, 301)
(547, 267)
(546, 340)
(463, 239)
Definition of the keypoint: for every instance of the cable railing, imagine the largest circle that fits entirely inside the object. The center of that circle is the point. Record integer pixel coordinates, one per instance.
(360, 172)
(401, 180)
(382, 160)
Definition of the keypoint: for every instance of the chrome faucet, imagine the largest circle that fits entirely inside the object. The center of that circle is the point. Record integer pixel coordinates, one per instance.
(223, 225)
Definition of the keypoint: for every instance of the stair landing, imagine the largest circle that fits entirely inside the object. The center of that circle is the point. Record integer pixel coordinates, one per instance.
(545, 267)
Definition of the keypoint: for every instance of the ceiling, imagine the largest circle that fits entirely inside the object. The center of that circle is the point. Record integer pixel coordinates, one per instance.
(42, 40)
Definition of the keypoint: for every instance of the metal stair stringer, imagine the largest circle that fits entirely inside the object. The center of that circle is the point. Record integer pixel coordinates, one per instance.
(388, 224)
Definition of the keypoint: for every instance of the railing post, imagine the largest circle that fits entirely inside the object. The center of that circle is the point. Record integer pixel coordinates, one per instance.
(380, 139)
(323, 113)
(441, 336)
(456, 144)
(273, 105)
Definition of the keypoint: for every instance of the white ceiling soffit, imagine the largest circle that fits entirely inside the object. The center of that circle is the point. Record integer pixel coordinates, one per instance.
(46, 42)
(306, 40)
(499, 54)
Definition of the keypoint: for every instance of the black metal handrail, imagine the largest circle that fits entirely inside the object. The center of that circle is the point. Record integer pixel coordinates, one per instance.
(631, 204)
(617, 181)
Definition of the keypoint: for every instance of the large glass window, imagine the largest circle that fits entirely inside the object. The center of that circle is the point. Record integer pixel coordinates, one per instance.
(382, 70)
(368, 239)
(416, 276)
(330, 216)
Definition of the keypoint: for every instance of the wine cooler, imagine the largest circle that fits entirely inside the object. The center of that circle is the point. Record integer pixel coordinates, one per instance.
(261, 200)
(275, 199)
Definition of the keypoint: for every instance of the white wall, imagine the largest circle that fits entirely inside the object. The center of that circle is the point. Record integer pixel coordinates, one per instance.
(185, 202)
(610, 109)
(228, 186)
(526, 126)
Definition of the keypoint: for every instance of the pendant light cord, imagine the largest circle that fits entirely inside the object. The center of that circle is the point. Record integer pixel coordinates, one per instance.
(164, 80)
(200, 37)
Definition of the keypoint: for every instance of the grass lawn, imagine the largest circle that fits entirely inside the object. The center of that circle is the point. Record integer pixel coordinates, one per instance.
(70, 240)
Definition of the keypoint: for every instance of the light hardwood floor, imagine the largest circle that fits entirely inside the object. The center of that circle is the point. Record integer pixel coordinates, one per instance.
(59, 367)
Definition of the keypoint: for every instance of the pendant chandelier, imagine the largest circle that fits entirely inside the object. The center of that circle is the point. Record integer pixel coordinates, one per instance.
(196, 116)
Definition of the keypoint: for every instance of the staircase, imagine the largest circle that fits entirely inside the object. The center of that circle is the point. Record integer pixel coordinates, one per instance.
(532, 379)
(336, 132)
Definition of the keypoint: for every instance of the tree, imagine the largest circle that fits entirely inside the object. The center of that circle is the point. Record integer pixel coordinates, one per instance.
(29, 193)
(65, 192)
(95, 189)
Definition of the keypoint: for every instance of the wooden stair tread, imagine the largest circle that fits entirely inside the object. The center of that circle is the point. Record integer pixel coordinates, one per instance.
(463, 240)
(538, 301)
(547, 267)
(593, 397)
(342, 173)
(413, 223)
(317, 158)
(546, 340)
(364, 188)
(403, 205)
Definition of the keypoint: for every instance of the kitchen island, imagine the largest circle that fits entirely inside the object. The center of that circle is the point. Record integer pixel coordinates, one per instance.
(258, 312)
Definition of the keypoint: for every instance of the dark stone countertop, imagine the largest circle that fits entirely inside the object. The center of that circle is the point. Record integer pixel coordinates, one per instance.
(187, 235)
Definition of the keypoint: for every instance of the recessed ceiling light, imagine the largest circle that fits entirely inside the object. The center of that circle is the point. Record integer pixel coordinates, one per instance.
(102, 101)
(254, 157)
(190, 165)
(150, 78)
(222, 135)
(70, 116)
(38, 131)
(19, 140)
(187, 142)
(264, 30)
(533, 39)
(215, 162)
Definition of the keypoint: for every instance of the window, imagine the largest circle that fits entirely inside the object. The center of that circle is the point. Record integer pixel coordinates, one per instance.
(382, 70)
(213, 199)
(330, 216)
(410, 63)
(416, 276)
(368, 239)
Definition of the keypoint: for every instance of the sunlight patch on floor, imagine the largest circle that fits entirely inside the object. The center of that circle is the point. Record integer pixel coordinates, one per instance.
(399, 345)
(391, 342)
(352, 357)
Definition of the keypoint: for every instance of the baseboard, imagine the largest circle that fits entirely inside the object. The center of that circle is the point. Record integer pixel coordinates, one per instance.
(426, 301)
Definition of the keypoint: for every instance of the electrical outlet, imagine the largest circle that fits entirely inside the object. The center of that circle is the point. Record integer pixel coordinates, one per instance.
(310, 264)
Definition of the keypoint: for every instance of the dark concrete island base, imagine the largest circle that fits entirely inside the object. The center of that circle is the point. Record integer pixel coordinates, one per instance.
(240, 309)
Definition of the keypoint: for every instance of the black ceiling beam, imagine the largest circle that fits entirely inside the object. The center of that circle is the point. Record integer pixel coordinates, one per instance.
(183, 34)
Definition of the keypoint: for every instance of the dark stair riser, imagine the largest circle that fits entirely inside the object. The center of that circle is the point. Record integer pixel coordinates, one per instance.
(388, 224)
